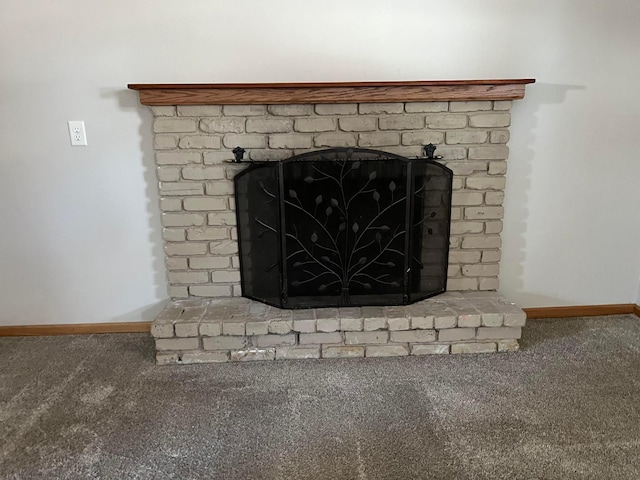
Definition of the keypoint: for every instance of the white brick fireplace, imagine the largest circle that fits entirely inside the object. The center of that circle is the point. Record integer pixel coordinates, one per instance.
(195, 130)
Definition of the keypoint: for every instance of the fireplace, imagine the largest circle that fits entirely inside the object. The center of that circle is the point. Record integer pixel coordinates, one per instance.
(285, 128)
(341, 227)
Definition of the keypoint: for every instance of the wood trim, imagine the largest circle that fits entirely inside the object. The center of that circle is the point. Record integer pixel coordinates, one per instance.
(581, 311)
(75, 329)
(336, 92)
(403, 83)
(636, 310)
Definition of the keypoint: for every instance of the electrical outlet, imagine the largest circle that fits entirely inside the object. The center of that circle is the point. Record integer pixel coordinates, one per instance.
(77, 133)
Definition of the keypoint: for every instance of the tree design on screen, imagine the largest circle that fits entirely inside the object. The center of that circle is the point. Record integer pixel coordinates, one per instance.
(352, 237)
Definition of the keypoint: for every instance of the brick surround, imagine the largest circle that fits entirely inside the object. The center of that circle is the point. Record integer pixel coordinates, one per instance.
(193, 142)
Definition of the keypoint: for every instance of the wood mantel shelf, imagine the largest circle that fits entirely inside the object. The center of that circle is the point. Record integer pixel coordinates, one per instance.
(335, 92)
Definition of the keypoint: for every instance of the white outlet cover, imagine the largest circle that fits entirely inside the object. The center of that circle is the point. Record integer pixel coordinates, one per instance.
(77, 133)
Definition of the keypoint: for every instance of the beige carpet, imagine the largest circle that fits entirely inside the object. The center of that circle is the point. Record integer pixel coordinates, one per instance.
(566, 406)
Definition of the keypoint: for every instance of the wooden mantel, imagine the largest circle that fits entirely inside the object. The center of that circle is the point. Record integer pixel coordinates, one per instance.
(335, 92)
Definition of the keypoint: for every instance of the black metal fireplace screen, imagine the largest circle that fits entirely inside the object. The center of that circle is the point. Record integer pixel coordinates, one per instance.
(343, 227)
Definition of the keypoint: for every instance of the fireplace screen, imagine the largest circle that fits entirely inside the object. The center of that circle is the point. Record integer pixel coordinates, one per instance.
(343, 227)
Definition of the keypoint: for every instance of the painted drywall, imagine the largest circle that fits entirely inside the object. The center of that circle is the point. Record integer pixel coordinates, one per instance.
(80, 238)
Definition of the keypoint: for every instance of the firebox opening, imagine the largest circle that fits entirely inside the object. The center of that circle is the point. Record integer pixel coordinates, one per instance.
(343, 227)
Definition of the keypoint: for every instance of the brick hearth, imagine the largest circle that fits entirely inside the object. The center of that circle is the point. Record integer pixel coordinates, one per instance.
(239, 329)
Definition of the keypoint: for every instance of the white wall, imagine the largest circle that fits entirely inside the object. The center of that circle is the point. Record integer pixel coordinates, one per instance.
(80, 239)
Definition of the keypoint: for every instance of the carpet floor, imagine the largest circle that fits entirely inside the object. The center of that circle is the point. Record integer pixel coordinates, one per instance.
(565, 406)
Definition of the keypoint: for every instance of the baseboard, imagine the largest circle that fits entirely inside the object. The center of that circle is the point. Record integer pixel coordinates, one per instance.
(582, 311)
(75, 329)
